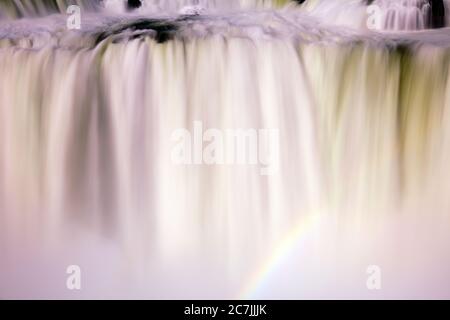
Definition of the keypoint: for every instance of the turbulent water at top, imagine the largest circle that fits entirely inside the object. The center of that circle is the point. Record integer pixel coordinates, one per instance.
(20, 8)
(86, 124)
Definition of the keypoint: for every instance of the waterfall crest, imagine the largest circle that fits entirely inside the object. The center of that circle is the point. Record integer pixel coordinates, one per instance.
(27, 8)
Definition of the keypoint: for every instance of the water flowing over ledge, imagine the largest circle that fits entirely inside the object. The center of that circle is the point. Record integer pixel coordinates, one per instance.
(86, 118)
(254, 20)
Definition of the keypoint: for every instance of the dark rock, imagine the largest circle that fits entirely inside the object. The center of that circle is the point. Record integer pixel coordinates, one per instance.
(162, 30)
(437, 13)
(133, 4)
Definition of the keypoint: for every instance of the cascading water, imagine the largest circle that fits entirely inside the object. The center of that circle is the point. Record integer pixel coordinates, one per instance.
(411, 14)
(405, 15)
(21, 8)
(86, 124)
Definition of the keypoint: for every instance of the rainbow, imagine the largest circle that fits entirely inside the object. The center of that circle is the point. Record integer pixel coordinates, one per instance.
(301, 228)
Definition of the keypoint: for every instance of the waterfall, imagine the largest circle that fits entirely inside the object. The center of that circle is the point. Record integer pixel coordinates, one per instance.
(386, 15)
(411, 14)
(87, 119)
(405, 15)
(26, 8)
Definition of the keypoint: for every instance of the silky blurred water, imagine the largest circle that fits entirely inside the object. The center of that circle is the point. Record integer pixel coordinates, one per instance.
(86, 177)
